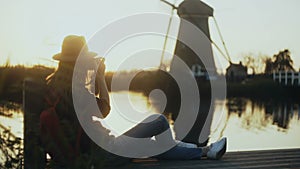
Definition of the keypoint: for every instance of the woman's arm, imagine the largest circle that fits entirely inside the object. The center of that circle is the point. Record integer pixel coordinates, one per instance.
(103, 102)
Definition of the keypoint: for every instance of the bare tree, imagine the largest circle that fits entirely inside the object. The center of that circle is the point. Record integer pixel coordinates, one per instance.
(249, 62)
(255, 63)
(268, 65)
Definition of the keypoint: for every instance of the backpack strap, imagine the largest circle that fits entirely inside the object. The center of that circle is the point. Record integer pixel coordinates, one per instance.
(53, 98)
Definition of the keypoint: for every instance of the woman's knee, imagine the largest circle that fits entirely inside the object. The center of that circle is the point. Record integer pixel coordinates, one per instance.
(159, 121)
(163, 121)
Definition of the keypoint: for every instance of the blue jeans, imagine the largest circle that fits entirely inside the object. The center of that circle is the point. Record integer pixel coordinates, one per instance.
(153, 126)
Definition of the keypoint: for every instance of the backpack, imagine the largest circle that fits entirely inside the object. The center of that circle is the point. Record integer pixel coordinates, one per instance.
(63, 154)
(54, 139)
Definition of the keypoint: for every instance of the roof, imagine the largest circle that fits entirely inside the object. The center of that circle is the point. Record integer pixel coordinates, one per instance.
(194, 7)
(237, 66)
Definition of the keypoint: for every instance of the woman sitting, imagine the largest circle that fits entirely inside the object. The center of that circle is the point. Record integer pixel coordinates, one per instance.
(69, 144)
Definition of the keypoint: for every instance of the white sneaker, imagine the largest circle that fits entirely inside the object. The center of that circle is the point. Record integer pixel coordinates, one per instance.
(217, 149)
(186, 145)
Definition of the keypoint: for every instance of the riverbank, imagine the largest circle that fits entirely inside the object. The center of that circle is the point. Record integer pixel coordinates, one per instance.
(262, 87)
(258, 87)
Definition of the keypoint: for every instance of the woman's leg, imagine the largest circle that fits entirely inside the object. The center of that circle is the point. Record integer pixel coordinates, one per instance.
(184, 153)
(214, 151)
(181, 153)
(153, 125)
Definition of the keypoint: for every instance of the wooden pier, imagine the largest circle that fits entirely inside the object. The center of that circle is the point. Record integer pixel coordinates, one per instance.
(285, 158)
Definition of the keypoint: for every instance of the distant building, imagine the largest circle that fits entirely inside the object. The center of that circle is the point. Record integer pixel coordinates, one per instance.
(236, 72)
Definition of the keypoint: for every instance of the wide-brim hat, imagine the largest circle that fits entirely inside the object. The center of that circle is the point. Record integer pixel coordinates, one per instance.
(72, 47)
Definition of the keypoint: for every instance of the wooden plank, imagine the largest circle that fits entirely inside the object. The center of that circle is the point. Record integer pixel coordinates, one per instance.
(281, 165)
(287, 158)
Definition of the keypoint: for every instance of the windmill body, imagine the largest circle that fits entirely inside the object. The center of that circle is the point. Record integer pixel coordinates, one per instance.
(202, 68)
(197, 13)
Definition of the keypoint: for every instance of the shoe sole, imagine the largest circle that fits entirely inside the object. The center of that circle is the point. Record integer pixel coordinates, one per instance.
(222, 152)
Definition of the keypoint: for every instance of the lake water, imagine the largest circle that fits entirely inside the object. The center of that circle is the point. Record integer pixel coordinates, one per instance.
(248, 124)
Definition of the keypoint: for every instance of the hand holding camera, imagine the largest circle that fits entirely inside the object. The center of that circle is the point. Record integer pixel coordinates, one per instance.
(101, 68)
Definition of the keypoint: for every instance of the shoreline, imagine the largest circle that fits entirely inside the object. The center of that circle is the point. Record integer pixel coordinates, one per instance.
(256, 87)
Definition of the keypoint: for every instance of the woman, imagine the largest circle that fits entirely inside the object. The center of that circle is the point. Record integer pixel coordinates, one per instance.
(70, 142)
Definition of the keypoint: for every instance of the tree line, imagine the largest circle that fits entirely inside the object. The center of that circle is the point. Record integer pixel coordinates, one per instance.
(281, 61)
(11, 77)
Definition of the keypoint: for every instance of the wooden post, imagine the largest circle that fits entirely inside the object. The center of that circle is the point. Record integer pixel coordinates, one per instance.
(286, 78)
(298, 78)
(33, 92)
(293, 78)
(279, 73)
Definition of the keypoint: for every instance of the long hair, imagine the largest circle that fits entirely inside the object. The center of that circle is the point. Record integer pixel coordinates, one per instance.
(62, 78)
(61, 81)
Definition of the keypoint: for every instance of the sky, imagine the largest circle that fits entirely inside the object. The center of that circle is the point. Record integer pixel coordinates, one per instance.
(32, 32)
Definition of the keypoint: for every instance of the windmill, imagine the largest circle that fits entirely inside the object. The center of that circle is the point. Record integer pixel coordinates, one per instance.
(208, 12)
(197, 13)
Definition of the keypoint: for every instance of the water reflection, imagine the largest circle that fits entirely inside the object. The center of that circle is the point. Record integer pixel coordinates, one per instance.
(11, 118)
(258, 114)
(253, 125)
(283, 113)
(248, 124)
(11, 132)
